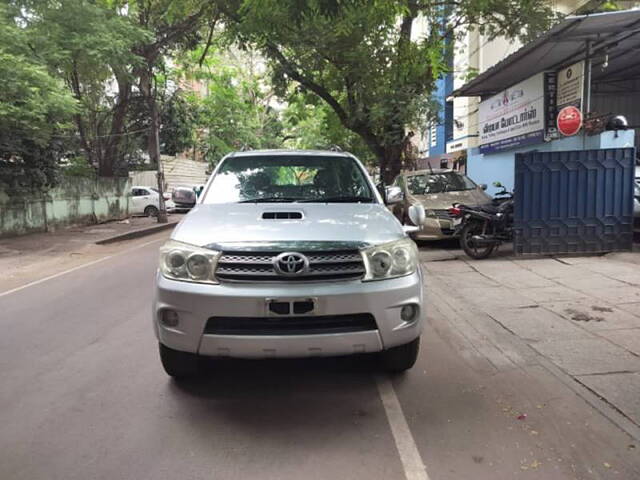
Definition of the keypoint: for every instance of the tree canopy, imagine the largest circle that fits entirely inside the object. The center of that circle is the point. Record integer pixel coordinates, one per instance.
(369, 61)
(93, 81)
(34, 110)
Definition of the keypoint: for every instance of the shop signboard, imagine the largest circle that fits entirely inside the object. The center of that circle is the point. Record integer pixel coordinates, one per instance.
(550, 94)
(460, 144)
(514, 117)
(569, 120)
(570, 83)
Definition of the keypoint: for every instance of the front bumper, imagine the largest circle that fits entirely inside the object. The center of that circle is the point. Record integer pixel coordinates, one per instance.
(196, 303)
(435, 229)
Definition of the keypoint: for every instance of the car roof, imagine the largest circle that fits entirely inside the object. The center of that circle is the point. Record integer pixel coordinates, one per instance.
(292, 152)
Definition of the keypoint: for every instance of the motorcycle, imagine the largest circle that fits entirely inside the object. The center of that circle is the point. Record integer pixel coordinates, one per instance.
(482, 229)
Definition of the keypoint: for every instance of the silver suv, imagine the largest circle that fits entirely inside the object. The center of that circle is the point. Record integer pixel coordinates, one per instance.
(288, 254)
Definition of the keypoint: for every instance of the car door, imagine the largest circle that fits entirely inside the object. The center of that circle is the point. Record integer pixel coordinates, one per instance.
(139, 200)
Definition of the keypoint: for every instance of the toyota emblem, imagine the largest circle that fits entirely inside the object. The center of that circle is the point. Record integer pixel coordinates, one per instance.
(290, 264)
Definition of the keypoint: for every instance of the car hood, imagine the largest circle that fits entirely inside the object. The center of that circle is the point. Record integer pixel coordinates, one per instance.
(443, 201)
(213, 224)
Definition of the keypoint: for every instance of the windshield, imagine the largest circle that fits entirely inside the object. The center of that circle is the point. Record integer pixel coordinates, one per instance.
(288, 178)
(439, 183)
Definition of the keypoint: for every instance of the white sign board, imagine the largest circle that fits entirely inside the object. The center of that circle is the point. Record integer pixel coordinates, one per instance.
(570, 81)
(461, 144)
(514, 117)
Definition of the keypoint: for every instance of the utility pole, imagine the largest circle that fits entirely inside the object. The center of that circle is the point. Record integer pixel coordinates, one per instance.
(162, 211)
(146, 86)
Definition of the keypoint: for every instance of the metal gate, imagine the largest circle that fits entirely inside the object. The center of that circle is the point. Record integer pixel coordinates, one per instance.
(575, 201)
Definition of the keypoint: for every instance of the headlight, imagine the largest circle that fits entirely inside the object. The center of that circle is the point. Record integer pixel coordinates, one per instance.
(390, 260)
(181, 261)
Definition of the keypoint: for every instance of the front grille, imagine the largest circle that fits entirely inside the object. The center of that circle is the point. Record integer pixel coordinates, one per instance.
(307, 325)
(258, 266)
(443, 215)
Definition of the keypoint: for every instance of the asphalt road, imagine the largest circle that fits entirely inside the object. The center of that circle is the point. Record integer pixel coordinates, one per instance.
(83, 396)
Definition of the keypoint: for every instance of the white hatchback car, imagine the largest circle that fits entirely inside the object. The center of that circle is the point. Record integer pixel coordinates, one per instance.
(289, 254)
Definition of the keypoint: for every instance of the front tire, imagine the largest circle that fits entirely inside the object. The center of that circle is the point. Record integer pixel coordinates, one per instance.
(178, 364)
(151, 211)
(401, 358)
(466, 243)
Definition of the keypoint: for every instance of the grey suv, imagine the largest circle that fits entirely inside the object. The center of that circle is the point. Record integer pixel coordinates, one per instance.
(288, 254)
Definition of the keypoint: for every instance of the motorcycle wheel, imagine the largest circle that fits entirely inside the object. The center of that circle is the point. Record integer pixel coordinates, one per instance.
(466, 243)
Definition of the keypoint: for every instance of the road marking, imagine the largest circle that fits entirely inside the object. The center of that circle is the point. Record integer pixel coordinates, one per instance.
(88, 264)
(414, 468)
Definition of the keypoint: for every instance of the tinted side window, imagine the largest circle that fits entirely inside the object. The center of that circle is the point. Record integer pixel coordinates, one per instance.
(416, 184)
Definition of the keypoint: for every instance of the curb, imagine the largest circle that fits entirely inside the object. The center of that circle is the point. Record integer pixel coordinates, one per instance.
(140, 232)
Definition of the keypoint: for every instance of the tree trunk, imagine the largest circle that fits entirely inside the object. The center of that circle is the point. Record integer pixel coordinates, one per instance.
(113, 152)
(391, 163)
(77, 93)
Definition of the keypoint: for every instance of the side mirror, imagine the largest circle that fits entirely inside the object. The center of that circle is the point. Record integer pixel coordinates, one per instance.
(497, 184)
(393, 195)
(483, 186)
(417, 215)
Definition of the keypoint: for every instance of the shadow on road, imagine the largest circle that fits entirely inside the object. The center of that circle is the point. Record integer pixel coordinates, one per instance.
(288, 398)
(449, 249)
(234, 378)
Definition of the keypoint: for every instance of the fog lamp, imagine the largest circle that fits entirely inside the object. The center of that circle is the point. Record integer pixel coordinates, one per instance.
(409, 312)
(170, 318)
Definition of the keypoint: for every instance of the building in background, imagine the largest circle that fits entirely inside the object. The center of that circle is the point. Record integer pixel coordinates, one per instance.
(444, 144)
(557, 94)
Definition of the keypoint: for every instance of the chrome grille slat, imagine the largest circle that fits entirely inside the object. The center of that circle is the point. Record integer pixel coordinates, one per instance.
(237, 266)
(443, 214)
(249, 259)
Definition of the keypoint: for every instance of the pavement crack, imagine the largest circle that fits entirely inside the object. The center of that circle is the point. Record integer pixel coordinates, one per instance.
(610, 405)
(613, 372)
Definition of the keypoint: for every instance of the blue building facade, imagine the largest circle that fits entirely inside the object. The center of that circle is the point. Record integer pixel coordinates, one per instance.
(442, 132)
(500, 166)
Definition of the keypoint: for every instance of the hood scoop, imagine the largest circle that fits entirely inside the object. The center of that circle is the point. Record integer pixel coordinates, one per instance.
(282, 215)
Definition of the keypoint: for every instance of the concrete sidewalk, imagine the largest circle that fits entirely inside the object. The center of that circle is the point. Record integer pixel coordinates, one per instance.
(39, 254)
(581, 313)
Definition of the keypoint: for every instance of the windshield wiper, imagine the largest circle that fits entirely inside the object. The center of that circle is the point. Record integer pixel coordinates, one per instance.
(269, 199)
(341, 199)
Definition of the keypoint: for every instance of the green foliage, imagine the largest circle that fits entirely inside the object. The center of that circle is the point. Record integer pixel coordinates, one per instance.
(231, 103)
(599, 6)
(311, 124)
(178, 124)
(369, 61)
(78, 167)
(34, 108)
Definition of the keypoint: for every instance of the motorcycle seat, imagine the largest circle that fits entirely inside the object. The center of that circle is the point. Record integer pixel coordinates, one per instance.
(489, 208)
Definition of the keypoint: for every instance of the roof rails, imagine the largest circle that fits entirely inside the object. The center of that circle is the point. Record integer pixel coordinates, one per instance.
(335, 148)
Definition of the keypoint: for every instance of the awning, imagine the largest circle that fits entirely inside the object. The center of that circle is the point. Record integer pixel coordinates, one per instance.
(615, 35)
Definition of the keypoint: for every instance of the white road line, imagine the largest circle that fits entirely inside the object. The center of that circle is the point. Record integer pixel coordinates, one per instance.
(88, 264)
(414, 468)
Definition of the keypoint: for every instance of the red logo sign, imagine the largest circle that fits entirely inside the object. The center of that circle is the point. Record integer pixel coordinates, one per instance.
(569, 121)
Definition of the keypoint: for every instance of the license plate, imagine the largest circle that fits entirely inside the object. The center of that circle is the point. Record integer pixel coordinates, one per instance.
(290, 306)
